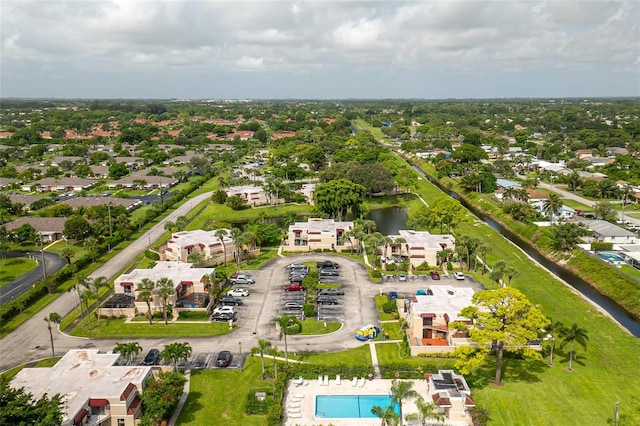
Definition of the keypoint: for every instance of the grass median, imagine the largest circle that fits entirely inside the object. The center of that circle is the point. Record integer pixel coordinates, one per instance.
(118, 328)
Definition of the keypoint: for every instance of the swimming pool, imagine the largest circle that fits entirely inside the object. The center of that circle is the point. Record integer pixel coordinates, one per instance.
(610, 257)
(351, 406)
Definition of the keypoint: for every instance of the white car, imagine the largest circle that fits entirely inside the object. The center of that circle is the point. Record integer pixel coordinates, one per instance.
(402, 277)
(238, 292)
(458, 275)
(224, 310)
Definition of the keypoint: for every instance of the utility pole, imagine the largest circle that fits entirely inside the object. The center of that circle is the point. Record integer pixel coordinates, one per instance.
(44, 267)
(616, 413)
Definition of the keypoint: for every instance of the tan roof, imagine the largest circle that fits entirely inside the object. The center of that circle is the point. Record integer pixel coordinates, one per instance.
(40, 224)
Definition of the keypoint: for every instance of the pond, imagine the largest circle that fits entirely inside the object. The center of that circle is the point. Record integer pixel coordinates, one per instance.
(389, 220)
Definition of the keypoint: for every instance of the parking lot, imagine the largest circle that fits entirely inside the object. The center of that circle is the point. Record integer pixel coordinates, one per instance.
(255, 317)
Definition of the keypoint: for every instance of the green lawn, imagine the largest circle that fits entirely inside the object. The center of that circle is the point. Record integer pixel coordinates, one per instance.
(209, 404)
(630, 270)
(226, 215)
(13, 267)
(576, 205)
(536, 394)
(117, 328)
(311, 327)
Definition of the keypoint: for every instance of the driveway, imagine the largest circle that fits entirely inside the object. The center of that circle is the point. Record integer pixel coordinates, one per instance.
(53, 263)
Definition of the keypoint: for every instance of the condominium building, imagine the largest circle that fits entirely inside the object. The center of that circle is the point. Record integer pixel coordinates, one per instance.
(205, 243)
(417, 246)
(318, 234)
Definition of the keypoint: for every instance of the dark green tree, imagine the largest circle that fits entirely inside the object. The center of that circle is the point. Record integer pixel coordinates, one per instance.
(18, 407)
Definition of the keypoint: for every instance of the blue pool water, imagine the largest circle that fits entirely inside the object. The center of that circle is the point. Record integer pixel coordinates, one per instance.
(610, 257)
(351, 406)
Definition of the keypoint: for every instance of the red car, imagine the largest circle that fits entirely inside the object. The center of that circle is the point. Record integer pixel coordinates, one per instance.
(294, 287)
(434, 275)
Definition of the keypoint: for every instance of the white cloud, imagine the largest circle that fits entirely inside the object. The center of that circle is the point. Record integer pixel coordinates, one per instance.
(359, 39)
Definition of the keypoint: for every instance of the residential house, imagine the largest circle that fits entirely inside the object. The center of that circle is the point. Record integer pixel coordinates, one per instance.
(205, 243)
(88, 202)
(608, 232)
(564, 213)
(143, 182)
(307, 189)
(428, 318)
(7, 182)
(49, 228)
(26, 200)
(95, 388)
(451, 393)
(252, 195)
(417, 247)
(190, 288)
(317, 234)
(61, 184)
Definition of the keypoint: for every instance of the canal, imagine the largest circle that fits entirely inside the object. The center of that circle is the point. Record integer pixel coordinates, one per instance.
(606, 303)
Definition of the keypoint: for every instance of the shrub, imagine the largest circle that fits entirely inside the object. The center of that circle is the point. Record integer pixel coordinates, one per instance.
(151, 255)
(390, 307)
(376, 273)
(392, 267)
(309, 310)
(596, 246)
(424, 266)
(449, 266)
(191, 315)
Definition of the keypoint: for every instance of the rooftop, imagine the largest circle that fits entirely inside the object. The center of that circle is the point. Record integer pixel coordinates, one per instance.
(198, 237)
(445, 300)
(79, 375)
(178, 272)
(425, 239)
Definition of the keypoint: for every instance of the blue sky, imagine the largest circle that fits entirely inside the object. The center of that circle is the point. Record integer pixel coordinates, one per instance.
(319, 49)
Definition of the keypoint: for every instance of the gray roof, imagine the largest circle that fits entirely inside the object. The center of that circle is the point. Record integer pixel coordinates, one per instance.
(608, 229)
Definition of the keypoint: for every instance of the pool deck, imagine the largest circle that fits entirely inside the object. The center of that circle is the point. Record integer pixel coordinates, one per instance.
(301, 411)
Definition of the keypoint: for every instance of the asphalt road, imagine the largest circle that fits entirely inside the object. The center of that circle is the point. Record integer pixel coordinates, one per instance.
(52, 261)
(30, 341)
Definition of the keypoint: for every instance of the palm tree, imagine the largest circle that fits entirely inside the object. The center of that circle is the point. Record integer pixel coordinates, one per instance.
(274, 352)
(169, 225)
(483, 249)
(289, 219)
(387, 415)
(91, 245)
(145, 293)
(261, 348)
(236, 237)
(176, 352)
(551, 329)
(426, 411)
(573, 180)
(551, 206)
(511, 273)
(67, 253)
(284, 321)
(181, 222)
(97, 283)
(85, 297)
(220, 234)
(401, 391)
(573, 334)
(128, 350)
(55, 318)
(165, 290)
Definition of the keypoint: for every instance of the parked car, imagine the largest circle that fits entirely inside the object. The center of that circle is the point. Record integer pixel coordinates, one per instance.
(152, 358)
(327, 264)
(296, 286)
(224, 359)
(326, 300)
(297, 277)
(242, 279)
(402, 277)
(331, 292)
(434, 275)
(292, 306)
(230, 301)
(329, 273)
(458, 275)
(298, 267)
(238, 292)
(224, 309)
(223, 317)
(421, 293)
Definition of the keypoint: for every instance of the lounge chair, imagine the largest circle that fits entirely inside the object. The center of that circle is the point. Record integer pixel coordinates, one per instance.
(293, 405)
(293, 410)
(338, 379)
(320, 381)
(361, 381)
(298, 381)
(298, 395)
(294, 415)
(326, 380)
(354, 382)
(305, 382)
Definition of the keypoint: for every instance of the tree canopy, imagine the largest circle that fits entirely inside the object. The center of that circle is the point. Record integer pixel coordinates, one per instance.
(502, 319)
(18, 407)
(339, 196)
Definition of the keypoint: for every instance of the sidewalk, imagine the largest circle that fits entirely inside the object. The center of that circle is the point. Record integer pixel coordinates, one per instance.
(183, 399)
